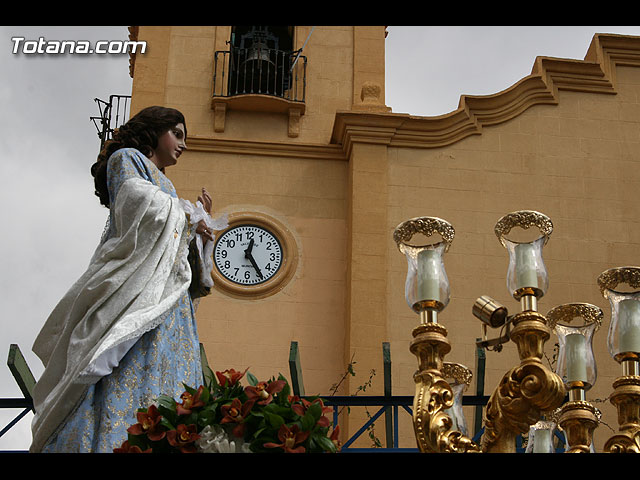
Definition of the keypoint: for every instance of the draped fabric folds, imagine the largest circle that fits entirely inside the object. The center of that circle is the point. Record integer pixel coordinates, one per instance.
(125, 331)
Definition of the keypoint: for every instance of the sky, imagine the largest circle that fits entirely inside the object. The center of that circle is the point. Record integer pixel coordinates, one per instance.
(51, 220)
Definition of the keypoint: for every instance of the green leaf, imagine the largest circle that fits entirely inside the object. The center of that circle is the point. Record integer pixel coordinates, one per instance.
(274, 420)
(315, 410)
(167, 402)
(206, 417)
(167, 424)
(325, 443)
(307, 422)
(189, 389)
(252, 379)
(138, 441)
(209, 378)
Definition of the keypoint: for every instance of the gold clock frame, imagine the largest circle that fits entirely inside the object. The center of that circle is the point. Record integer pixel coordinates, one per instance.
(281, 278)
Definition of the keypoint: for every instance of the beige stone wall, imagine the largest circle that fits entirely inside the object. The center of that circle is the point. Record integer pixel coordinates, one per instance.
(563, 141)
(308, 197)
(571, 153)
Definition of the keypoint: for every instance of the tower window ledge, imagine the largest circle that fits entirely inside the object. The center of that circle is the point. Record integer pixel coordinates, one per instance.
(253, 102)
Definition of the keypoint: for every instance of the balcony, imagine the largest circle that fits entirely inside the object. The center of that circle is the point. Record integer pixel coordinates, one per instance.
(113, 114)
(259, 79)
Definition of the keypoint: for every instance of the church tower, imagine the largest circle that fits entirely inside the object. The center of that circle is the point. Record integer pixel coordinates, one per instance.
(260, 104)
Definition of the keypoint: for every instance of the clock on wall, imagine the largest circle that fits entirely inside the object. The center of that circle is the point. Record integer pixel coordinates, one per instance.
(254, 257)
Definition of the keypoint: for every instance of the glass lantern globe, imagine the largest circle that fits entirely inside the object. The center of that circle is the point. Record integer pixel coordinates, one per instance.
(427, 285)
(623, 339)
(527, 273)
(576, 363)
(459, 377)
(541, 437)
(526, 270)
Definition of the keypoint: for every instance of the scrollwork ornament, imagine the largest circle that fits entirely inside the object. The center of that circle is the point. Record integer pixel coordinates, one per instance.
(524, 393)
(426, 226)
(524, 219)
(457, 372)
(610, 279)
(433, 426)
(568, 312)
(623, 443)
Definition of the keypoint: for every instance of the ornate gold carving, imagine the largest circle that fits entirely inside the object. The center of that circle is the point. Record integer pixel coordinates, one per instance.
(609, 279)
(626, 398)
(457, 372)
(526, 391)
(426, 226)
(579, 419)
(523, 219)
(432, 425)
(568, 312)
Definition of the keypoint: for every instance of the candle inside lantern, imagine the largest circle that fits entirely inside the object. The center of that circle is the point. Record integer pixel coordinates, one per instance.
(542, 442)
(576, 357)
(629, 326)
(429, 275)
(526, 275)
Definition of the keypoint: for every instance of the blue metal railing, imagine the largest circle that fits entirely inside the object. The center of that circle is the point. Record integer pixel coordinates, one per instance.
(385, 403)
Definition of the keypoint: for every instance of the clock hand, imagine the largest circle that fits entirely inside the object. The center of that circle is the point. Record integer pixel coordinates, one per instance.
(253, 262)
(249, 249)
(247, 254)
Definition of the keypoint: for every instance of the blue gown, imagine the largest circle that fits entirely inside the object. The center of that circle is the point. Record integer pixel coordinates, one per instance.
(159, 363)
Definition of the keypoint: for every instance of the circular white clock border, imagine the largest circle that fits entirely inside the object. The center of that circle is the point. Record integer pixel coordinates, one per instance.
(282, 257)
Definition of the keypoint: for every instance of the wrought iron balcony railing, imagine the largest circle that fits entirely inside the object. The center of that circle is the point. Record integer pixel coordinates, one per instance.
(113, 114)
(260, 71)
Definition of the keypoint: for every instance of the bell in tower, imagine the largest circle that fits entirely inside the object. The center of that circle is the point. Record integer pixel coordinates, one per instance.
(260, 60)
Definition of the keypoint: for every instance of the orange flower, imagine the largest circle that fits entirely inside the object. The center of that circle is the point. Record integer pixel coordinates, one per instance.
(291, 439)
(190, 401)
(334, 438)
(236, 412)
(149, 424)
(263, 392)
(126, 448)
(229, 377)
(183, 437)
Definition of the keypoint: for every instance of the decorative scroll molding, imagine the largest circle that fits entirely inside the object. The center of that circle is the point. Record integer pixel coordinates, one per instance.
(594, 74)
(296, 150)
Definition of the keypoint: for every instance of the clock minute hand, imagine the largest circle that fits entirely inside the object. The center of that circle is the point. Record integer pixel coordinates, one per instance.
(247, 254)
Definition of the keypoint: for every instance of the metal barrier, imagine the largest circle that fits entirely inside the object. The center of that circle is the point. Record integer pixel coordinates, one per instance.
(387, 404)
(113, 114)
(260, 71)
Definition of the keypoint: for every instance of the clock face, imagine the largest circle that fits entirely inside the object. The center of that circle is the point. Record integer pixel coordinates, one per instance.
(248, 254)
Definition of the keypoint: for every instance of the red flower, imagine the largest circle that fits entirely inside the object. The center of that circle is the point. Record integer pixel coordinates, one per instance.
(190, 401)
(263, 392)
(290, 437)
(236, 412)
(301, 409)
(149, 424)
(183, 437)
(126, 448)
(230, 377)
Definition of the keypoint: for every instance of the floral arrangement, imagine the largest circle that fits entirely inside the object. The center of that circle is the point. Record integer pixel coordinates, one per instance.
(225, 417)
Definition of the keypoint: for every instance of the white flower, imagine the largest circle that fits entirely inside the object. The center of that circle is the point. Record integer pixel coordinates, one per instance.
(214, 439)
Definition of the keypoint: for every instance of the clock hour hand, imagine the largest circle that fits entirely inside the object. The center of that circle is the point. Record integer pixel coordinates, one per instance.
(247, 254)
